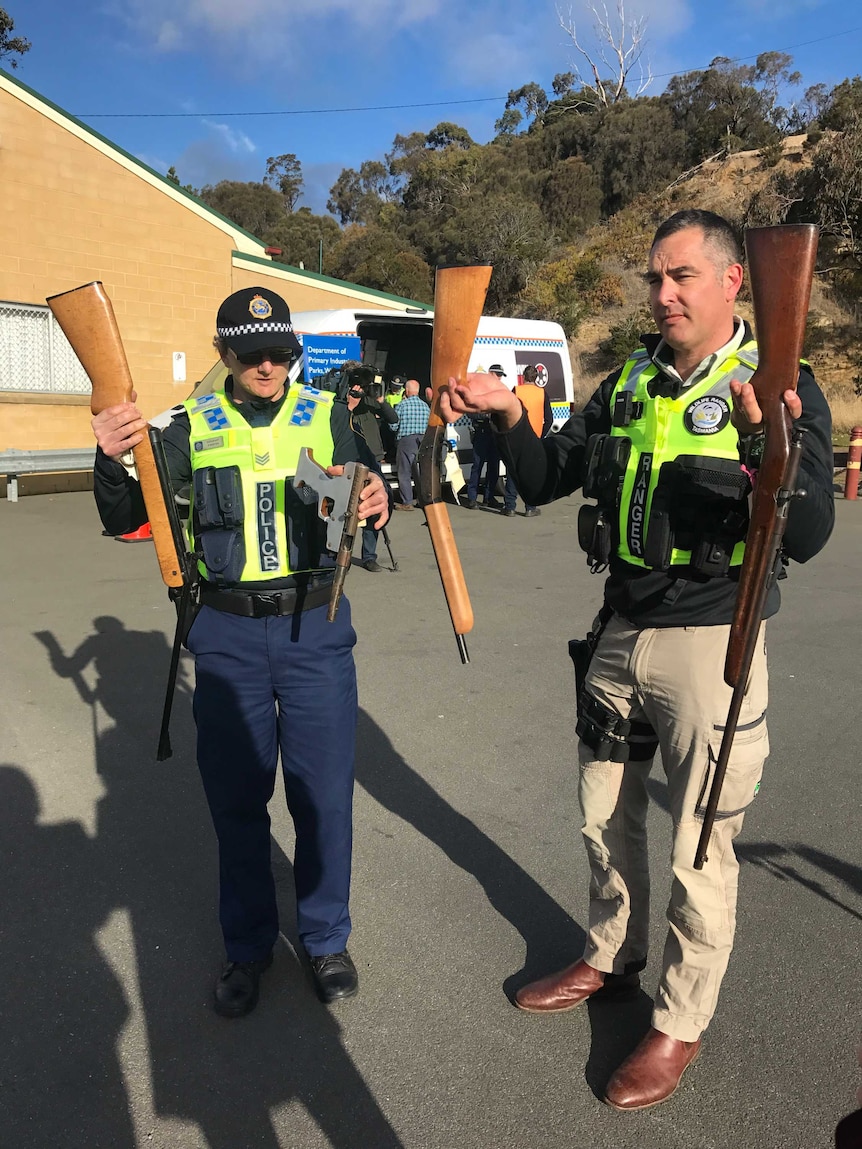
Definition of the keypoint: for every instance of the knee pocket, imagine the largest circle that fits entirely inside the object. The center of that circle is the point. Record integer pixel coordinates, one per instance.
(744, 769)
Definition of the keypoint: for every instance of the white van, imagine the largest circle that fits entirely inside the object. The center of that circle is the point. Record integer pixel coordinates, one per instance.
(399, 343)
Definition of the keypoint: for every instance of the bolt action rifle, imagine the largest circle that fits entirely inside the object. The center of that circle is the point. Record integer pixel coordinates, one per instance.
(781, 267)
(87, 318)
(459, 297)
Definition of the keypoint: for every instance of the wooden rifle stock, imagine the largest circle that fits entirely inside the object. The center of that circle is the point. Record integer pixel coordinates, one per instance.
(459, 297)
(781, 264)
(87, 318)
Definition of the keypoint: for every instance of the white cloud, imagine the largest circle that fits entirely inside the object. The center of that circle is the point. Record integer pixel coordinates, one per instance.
(168, 36)
(207, 161)
(779, 9)
(155, 162)
(268, 27)
(235, 142)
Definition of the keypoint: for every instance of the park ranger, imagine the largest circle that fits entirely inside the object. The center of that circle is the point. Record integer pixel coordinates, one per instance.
(665, 448)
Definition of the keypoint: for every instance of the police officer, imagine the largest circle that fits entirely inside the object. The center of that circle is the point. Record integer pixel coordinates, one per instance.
(271, 673)
(659, 446)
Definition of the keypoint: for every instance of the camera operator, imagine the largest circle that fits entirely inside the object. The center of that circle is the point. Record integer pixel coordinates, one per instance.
(369, 416)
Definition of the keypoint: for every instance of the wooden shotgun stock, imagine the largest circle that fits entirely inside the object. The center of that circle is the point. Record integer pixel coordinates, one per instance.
(459, 297)
(88, 322)
(781, 267)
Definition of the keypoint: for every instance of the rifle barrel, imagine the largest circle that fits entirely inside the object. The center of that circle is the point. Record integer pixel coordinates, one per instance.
(781, 266)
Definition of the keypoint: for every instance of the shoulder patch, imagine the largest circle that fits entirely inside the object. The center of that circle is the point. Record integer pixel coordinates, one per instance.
(204, 402)
(304, 411)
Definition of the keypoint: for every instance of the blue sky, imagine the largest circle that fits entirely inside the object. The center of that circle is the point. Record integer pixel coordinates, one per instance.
(186, 69)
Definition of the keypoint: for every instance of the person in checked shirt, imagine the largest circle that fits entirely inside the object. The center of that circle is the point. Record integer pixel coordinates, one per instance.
(412, 415)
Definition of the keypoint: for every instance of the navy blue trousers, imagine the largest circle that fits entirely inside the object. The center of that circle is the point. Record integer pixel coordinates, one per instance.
(263, 686)
(485, 454)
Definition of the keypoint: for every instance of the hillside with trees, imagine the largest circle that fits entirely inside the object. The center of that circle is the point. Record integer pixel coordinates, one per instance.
(564, 199)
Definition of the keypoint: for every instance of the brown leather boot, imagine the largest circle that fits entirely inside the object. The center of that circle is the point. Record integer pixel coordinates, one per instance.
(564, 990)
(652, 1073)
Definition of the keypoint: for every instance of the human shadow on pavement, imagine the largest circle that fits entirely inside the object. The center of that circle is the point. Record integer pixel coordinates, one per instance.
(550, 934)
(783, 862)
(779, 861)
(155, 858)
(62, 1006)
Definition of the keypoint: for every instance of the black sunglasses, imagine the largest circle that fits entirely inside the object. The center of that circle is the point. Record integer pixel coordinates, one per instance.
(276, 356)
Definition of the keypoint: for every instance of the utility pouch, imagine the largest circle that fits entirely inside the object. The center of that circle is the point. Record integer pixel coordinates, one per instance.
(218, 497)
(224, 555)
(659, 541)
(610, 737)
(218, 519)
(595, 536)
(606, 459)
(698, 506)
(711, 558)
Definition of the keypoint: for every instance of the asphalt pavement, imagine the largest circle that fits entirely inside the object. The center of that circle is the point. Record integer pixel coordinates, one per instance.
(469, 874)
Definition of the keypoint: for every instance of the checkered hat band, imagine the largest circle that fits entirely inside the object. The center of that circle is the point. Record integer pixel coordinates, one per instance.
(253, 329)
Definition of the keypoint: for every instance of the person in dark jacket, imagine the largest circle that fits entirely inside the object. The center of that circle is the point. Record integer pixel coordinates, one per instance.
(273, 677)
(486, 456)
(666, 445)
(370, 418)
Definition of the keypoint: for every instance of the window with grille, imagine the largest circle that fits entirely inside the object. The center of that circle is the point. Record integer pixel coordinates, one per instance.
(35, 355)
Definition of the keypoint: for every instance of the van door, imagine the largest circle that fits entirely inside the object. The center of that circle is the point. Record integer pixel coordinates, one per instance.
(398, 347)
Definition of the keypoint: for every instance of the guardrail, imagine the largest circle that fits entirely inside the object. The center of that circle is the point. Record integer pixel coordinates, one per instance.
(14, 463)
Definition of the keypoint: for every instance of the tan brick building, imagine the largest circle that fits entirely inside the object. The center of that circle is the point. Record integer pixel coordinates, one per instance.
(77, 208)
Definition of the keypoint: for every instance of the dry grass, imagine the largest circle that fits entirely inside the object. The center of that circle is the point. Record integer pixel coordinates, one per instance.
(589, 368)
(846, 414)
(621, 245)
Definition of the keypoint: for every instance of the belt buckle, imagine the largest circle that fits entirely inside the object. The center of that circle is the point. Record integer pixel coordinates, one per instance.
(269, 604)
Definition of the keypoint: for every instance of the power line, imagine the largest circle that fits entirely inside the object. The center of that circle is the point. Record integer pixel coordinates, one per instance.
(741, 59)
(292, 112)
(404, 107)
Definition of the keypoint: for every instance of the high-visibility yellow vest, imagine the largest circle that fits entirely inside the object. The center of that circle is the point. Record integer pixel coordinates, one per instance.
(696, 423)
(244, 508)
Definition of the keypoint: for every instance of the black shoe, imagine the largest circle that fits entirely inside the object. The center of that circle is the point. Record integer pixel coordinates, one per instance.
(492, 502)
(508, 512)
(236, 990)
(372, 565)
(335, 976)
(471, 504)
(531, 512)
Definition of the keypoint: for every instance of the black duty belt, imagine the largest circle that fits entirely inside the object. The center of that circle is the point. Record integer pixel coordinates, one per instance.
(254, 604)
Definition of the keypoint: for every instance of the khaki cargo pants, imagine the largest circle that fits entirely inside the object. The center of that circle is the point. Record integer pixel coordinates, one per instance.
(672, 679)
